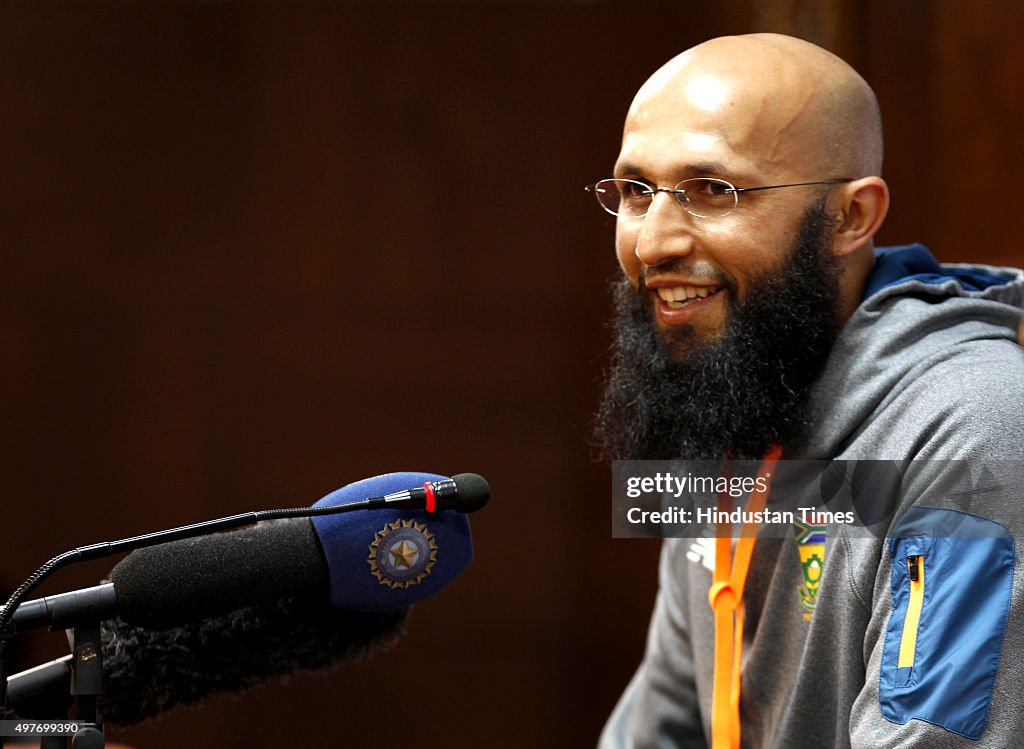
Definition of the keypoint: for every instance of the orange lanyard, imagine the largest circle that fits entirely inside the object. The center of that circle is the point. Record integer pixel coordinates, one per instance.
(726, 599)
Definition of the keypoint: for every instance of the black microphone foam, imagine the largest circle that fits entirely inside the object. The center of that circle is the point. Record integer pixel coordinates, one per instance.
(181, 581)
(147, 672)
(473, 491)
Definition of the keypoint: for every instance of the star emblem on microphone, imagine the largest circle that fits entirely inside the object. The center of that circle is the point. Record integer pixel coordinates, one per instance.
(402, 554)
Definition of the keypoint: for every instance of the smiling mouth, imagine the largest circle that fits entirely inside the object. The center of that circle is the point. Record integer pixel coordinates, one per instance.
(678, 297)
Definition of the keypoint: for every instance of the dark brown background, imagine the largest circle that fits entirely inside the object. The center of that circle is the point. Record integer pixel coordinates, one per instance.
(253, 252)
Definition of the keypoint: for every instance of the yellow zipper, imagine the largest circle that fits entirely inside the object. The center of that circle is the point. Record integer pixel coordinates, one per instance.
(908, 643)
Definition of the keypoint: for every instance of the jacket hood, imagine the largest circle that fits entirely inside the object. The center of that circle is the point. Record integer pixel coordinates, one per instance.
(917, 316)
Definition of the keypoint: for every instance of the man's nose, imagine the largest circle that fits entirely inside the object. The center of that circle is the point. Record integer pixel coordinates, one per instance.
(666, 232)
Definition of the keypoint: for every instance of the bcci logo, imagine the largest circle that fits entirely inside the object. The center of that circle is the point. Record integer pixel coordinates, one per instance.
(402, 554)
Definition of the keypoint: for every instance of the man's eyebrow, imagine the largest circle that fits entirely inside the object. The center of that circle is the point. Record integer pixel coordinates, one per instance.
(627, 168)
(704, 168)
(698, 169)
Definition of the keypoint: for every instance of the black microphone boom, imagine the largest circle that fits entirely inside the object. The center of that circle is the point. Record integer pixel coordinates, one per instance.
(67, 610)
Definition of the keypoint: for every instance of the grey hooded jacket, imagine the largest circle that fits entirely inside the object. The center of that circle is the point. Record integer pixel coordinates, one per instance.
(926, 370)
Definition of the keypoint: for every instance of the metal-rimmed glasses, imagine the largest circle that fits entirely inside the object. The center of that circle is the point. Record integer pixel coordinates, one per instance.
(703, 197)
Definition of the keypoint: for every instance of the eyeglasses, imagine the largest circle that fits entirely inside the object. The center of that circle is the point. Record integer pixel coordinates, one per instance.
(703, 197)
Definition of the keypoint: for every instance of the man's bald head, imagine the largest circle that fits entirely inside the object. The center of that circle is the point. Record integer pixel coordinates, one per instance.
(798, 103)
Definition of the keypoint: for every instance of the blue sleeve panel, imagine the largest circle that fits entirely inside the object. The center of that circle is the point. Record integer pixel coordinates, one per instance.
(968, 566)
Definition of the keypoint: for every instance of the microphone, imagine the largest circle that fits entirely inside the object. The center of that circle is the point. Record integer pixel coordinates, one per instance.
(367, 560)
(465, 492)
(229, 611)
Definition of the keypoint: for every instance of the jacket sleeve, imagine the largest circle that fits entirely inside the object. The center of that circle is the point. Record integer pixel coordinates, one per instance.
(659, 708)
(943, 651)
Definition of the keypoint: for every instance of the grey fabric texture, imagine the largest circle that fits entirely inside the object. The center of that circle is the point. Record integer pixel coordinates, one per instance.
(923, 372)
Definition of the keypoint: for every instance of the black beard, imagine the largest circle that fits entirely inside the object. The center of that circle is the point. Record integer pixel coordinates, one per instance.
(739, 394)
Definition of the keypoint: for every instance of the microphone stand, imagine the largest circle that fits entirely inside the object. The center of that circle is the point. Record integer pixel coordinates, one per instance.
(87, 684)
(45, 693)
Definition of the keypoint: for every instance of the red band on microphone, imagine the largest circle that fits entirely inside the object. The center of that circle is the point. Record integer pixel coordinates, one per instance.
(431, 502)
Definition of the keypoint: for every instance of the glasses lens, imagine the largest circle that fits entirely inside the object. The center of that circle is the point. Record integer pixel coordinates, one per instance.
(623, 197)
(707, 197)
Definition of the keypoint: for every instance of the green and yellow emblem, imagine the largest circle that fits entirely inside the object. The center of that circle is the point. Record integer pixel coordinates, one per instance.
(811, 546)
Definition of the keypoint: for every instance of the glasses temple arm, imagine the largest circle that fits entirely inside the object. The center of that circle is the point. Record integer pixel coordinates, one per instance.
(836, 181)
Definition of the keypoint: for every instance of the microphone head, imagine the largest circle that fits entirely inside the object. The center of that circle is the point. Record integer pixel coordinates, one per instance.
(167, 585)
(473, 491)
(380, 560)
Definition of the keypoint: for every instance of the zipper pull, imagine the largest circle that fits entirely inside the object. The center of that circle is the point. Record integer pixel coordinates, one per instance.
(914, 566)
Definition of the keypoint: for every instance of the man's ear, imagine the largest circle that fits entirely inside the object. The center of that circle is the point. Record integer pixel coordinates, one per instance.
(859, 209)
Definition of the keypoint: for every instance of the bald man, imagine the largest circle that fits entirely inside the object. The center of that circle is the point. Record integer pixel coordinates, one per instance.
(756, 315)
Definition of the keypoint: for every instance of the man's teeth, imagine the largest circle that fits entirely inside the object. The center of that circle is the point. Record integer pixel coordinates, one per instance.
(679, 296)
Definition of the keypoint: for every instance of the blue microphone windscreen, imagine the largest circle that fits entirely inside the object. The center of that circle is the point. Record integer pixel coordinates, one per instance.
(380, 560)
